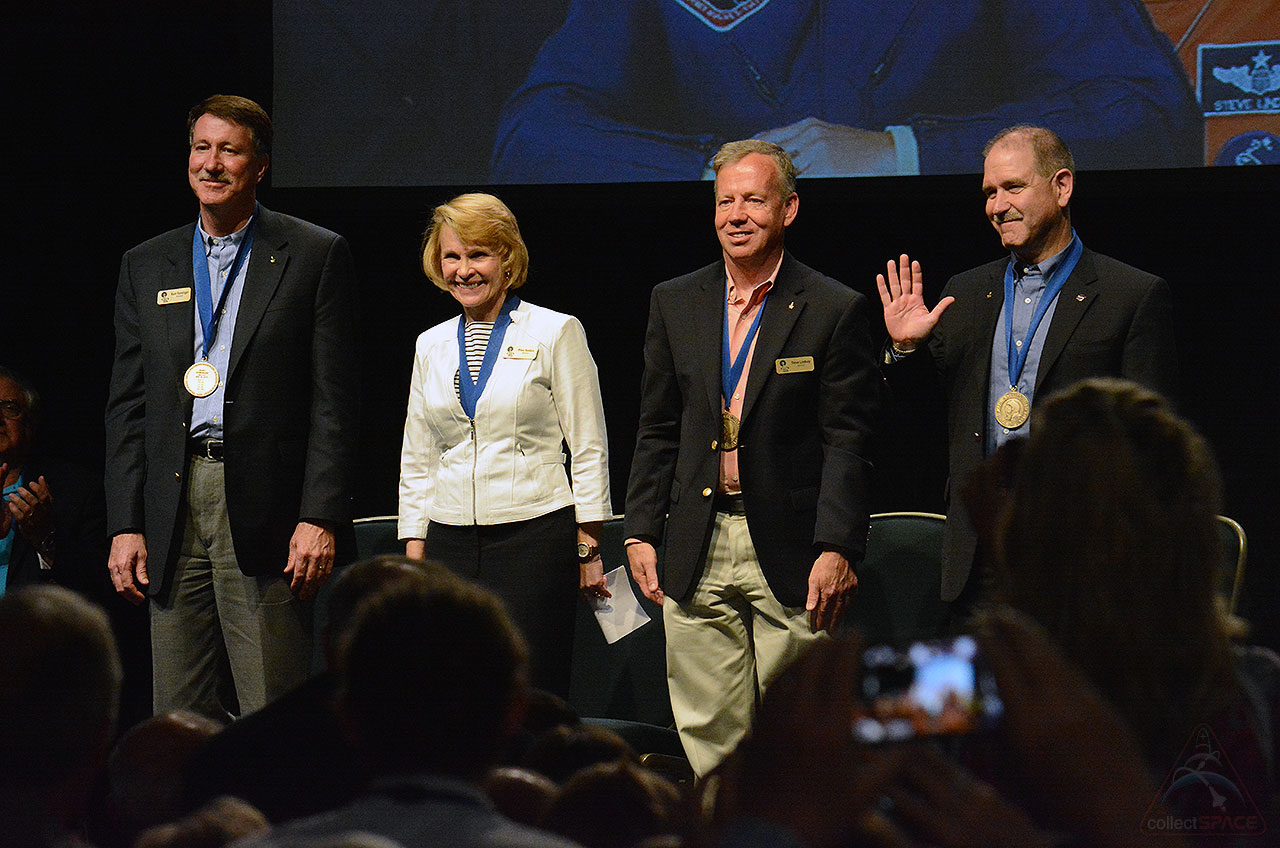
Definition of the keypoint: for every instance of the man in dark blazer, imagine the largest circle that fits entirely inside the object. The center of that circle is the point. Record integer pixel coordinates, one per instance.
(1075, 314)
(230, 426)
(750, 461)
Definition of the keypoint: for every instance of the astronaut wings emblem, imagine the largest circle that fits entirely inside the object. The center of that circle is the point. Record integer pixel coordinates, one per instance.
(722, 15)
(1262, 78)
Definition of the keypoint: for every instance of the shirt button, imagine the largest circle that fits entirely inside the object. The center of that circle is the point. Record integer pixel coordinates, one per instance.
(714, 444)
(1028, 300)
(706, 493)
(1018, 343)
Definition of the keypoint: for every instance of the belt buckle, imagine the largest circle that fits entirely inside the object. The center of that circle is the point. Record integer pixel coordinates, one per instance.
(212, 449)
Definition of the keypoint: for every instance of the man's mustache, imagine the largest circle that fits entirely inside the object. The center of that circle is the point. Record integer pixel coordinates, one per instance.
(1007, 216)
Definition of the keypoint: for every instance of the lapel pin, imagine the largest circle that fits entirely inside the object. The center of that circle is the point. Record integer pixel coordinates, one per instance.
(791, 305)
(1080, 298)
(273, 260)
(988, 295)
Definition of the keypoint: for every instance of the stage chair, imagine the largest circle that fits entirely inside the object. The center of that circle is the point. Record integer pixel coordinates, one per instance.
(900, 580)
(376, 535)
(1235, 549)
(628, 679)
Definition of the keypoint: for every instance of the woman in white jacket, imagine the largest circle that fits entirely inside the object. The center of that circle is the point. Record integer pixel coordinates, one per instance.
(496, 396)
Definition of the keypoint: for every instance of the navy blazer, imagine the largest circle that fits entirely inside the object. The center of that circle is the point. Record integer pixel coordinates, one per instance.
(1111, 320)
(803, 455)
(291, 394)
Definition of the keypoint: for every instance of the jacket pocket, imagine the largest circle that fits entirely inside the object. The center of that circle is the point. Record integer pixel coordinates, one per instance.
(804, 500)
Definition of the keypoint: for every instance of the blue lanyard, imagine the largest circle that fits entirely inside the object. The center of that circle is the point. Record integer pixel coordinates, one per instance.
(468, 391)
(210, 315)
(731, 373)
(1056, 280)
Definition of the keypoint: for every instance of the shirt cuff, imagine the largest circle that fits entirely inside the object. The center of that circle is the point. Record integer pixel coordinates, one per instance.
(906, 149)
(892, 354)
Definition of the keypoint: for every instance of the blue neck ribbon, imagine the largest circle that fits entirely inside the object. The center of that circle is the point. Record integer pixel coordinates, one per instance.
(471, 391)
(1056, 280)
(731, 373)
(210, 315)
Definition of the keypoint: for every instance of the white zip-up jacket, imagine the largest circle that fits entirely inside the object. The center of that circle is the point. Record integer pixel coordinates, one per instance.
(509, 464)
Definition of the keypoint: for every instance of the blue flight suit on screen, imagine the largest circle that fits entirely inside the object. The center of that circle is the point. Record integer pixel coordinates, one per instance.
(649, 89)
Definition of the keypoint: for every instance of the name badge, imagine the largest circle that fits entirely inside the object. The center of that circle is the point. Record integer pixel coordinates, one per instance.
(794, 364)
(168, 296)
(513, 352)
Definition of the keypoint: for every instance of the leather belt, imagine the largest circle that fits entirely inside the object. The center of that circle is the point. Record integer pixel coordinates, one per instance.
(210, 449)
(731, 504)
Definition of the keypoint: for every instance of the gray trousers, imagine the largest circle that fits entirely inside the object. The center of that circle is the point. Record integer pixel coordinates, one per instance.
(223, 644)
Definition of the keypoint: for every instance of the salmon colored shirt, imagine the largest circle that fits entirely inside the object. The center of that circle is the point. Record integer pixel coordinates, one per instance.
(743, 303)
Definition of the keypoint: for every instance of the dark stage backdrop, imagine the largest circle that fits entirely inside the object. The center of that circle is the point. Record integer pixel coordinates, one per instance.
(96, 165)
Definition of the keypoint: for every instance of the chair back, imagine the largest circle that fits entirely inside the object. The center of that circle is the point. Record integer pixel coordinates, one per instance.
(628, 679)
(377, 535)
(900, 580)
(1235, 550)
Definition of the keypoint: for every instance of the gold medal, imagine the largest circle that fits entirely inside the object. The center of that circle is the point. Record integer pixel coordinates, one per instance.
(201, 379)
(1012, 409)
(729, 425)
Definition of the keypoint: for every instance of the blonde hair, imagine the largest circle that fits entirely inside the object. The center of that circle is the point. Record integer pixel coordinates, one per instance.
(735, 151)
(480, 219)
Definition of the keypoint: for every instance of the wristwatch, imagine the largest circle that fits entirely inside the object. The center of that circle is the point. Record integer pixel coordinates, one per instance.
(586, 552)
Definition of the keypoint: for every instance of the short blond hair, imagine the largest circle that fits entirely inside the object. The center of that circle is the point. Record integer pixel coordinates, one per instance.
(480, 219)
(735, 151)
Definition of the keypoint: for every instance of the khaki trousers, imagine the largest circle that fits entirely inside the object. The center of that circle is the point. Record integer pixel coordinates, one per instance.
(223, 644)
(726, 644)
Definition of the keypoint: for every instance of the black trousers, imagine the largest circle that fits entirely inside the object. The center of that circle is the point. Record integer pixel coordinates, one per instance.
(532, 566)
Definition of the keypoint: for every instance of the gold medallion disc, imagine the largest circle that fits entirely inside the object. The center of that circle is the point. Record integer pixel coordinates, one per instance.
(729, 425)
(1012, 409)
(201, 379)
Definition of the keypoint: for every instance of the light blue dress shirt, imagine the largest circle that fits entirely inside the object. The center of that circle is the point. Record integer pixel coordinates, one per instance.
(1028, 287)
(206, 414)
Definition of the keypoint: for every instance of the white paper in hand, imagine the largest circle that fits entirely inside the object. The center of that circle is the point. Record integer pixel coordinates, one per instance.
(620, 614)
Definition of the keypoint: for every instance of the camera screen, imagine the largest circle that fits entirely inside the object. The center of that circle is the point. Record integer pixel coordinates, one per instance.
(928, 689)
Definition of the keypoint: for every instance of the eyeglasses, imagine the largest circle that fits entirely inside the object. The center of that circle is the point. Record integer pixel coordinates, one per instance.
(11, 410)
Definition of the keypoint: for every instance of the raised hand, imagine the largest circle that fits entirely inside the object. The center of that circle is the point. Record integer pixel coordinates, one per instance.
(908, 320)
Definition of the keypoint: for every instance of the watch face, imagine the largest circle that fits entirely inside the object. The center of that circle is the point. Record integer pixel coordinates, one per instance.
(584, 550)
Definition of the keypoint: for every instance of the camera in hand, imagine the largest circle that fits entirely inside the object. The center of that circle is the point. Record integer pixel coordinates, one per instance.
(928, 689)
